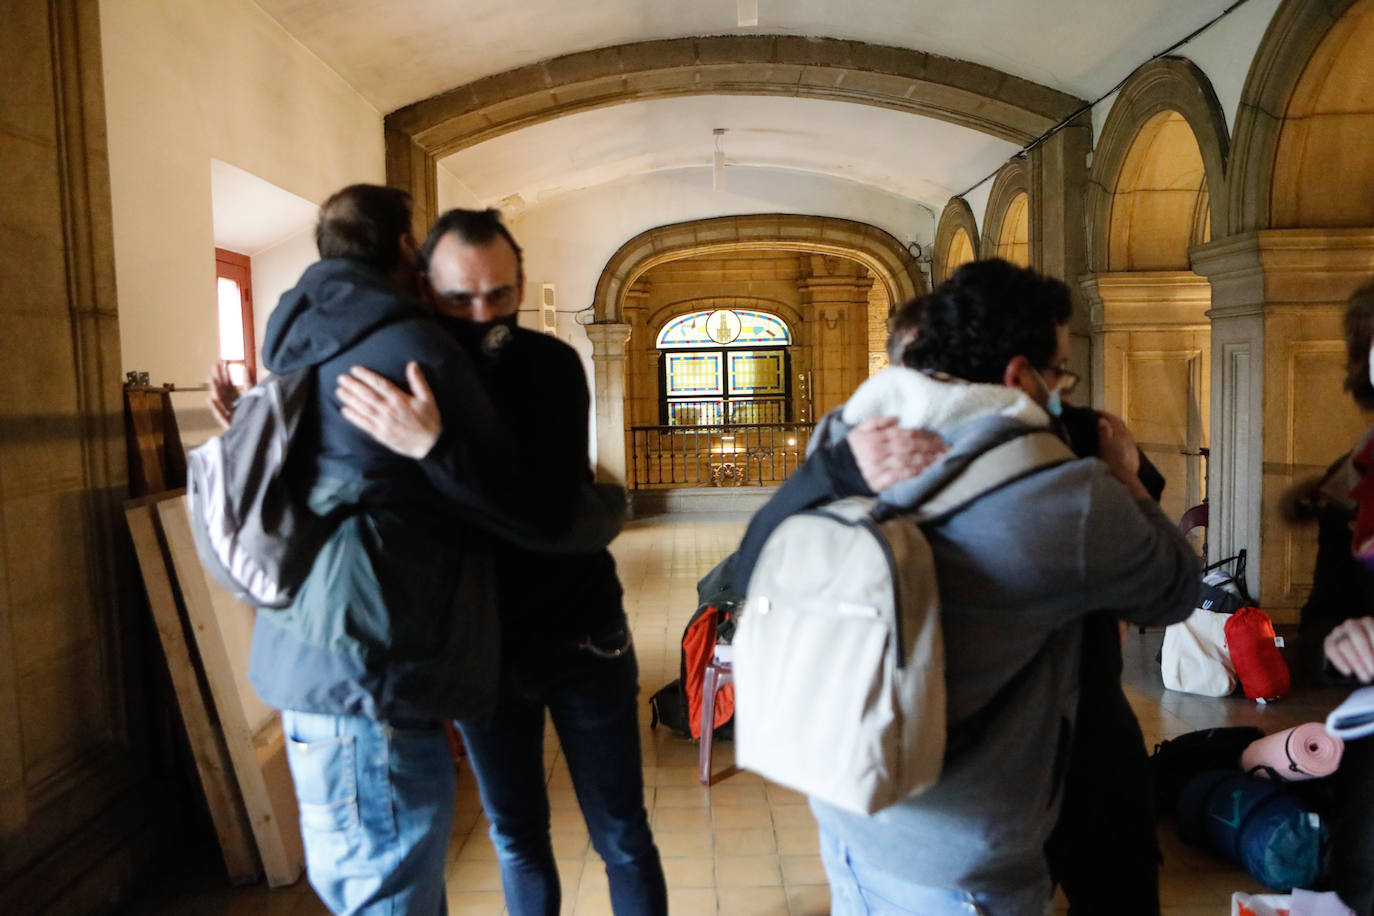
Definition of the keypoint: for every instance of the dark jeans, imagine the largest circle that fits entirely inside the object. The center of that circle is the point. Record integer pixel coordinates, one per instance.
(594, 706)
(1104, 851)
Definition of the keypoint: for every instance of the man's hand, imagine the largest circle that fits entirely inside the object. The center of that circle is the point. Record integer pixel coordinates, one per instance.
(886, 453)
(223, 396)
(1351, 648)
(408, 424)
(1117, 449)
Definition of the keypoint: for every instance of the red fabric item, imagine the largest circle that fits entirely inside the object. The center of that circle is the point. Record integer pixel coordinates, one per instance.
(1259, 664)
(698, 645)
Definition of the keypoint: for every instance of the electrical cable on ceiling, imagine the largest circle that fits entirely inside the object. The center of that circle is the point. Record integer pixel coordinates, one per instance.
(1089, 106)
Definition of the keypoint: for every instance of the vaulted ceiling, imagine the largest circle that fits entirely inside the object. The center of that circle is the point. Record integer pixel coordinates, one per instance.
(399, 52)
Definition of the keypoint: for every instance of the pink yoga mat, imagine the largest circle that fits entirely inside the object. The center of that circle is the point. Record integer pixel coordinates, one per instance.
(1302, 752)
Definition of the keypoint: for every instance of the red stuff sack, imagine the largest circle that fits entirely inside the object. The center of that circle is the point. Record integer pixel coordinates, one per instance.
(1255, 654)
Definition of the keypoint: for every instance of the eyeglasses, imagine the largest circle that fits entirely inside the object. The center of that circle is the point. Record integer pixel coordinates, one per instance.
(1066, 379)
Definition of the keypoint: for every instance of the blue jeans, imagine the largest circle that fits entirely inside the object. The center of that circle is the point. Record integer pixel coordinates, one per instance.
(594, 706)
(859, 889)
(376, 806)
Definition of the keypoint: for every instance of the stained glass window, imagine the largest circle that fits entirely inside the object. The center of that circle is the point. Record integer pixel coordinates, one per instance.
(693, 374)
(724, 328)
(757, 373)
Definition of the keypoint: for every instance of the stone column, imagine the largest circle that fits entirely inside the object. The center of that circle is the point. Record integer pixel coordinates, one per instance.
(641, 364)
(608, 398)
(1151, 346)
(1279, 411)
(835, 310)
(1058, 220)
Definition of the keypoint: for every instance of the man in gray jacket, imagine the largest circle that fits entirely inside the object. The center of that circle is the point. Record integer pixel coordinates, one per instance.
(1018, 571)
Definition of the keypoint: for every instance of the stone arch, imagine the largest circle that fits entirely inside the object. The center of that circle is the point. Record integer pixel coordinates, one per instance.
(903, 79)
(1007, 220)
(960, 92)
(956, 239)
(1167, 110)
(874, 248)
(658, 318)
(1324, 163)
(1295, 35)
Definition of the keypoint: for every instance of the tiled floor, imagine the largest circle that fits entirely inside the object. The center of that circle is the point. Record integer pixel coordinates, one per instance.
(742, 846)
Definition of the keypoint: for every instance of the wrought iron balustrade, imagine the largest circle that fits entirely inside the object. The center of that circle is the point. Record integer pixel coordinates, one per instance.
(753, 454)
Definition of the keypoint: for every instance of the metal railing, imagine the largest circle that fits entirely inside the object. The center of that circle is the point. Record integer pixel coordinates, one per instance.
(756, 454)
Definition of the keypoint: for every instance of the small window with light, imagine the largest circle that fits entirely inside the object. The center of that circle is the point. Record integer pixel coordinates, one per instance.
(234, 289)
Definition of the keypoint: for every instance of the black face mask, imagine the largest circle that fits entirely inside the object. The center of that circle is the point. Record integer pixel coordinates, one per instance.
(483, 339)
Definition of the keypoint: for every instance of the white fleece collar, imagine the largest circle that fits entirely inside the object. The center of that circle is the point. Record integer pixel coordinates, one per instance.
(919, 401)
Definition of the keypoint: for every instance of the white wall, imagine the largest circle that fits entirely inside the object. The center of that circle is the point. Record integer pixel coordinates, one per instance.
(276, 270)
(568, 240)
(184, 83)
(1223, 52)
(451, 192)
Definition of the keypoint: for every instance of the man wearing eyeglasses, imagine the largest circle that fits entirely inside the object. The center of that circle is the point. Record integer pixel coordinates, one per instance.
(1020, 570)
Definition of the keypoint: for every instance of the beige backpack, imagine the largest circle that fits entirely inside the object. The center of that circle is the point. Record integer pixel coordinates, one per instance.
(839, 662)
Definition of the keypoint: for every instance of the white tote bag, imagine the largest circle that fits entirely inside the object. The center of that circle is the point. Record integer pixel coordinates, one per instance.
(1195, 658)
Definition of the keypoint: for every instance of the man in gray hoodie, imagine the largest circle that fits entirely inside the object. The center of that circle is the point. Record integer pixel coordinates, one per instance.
(1018, 571)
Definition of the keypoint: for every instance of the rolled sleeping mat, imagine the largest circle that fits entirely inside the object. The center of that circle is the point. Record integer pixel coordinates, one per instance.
(1302, 752)
(1257, 824)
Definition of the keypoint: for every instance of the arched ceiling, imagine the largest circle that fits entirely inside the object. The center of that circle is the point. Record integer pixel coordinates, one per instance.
(918, 158)
(395, 52)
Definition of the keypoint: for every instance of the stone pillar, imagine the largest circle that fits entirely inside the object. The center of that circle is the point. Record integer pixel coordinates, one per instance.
(1151, 346)
(835, 311)
(1278, 363)
(641, 363)
(608, 398)
(1059, 219)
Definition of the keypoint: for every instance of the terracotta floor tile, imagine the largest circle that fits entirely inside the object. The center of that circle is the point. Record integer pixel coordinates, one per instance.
(746, 842)
(747, 871)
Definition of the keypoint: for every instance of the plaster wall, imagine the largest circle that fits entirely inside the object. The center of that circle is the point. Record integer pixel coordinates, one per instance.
(568, 240)
(452, 192)
(1223, 52)
(184, 83)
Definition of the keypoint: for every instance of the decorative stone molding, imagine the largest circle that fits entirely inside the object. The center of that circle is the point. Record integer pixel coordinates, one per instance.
(901, 79)
(875, 249)
(956, 215)
(1147, 301)
(1012, 179)
(1168, 84)
(963, 93)
(1294, 34)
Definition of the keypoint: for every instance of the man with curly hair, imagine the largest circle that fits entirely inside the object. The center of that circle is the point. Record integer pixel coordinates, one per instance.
(1019, 570)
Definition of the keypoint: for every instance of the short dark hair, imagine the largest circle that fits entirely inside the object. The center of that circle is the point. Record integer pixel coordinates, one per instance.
(473, 227)
(364, 222)
(902, 323)
(1359, 336)
(985, 314)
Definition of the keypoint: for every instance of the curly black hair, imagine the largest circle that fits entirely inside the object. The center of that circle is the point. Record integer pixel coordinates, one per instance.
(986, 313)
(1359, 336)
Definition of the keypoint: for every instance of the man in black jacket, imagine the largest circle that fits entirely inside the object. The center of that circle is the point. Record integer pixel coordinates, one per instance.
(394, 629)
(566, 645)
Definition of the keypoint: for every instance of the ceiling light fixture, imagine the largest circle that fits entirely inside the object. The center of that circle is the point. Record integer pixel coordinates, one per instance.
(718, 162)
(748, 13)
